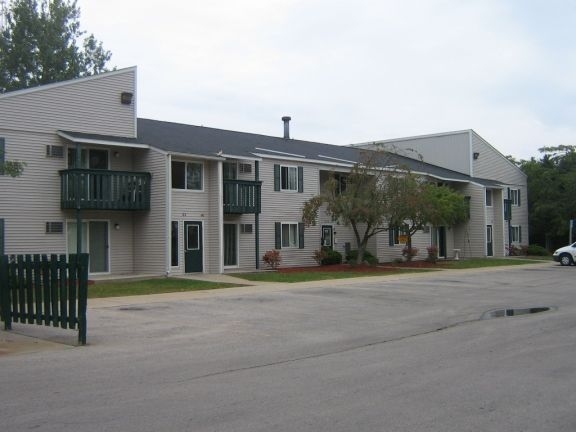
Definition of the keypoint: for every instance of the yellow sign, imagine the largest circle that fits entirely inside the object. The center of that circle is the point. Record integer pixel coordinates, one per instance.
(402, 239)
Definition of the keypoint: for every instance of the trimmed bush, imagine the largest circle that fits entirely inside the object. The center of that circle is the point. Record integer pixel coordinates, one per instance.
(352, 256)
(537, 250)
(331, 257)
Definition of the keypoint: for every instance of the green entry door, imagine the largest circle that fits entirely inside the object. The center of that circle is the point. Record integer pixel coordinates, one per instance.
(193, 247)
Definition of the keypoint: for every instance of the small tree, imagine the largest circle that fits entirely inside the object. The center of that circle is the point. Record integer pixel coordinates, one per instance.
(363, 205)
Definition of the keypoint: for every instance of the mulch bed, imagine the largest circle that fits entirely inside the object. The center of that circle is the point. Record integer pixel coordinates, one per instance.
(384, 267)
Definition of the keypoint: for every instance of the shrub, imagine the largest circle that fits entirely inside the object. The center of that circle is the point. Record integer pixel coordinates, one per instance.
(352, 256)
(409, 252)
(332, 257)
(537, 250)
(513, 250)
(319, 255)
(432, 253)
(272, 258)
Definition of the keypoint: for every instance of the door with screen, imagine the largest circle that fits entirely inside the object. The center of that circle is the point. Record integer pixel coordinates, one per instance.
(193, 247)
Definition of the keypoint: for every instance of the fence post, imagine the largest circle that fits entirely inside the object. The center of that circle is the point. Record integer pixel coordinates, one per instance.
(82, 296)
(6, 313)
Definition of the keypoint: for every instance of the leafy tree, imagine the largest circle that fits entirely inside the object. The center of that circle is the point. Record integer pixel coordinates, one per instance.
(415, 203)
(552, 194)
(380, 194)
(39, 45)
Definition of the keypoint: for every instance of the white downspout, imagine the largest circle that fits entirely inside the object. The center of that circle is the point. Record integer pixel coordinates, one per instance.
(220, 218)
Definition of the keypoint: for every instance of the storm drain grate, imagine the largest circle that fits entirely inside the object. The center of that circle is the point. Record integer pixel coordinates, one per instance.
(511, 312)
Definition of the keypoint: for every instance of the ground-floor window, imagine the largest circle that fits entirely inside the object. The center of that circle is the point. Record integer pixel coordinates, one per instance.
(516, 231)
(289, 235)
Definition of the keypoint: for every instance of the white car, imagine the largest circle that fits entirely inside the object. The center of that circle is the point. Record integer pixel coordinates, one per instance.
(565, 255)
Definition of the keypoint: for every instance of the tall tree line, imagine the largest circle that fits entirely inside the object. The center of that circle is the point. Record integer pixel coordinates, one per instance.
(41, 42)
(551, 195)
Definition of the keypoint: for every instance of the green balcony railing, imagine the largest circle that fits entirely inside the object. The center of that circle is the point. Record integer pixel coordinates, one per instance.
(104, 189)
(242, 196)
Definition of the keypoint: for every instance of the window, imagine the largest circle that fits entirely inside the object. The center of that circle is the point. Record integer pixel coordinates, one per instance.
(516, 232)
(187, 175)
(488, 197)
(396, 236)
(288, 178)
(289, 235)
(89, 158)
(229, 170)
(174, 244)
(515, 197)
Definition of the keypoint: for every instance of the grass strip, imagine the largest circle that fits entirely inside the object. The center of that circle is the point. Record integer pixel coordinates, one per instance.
(318, 275)
(151, 286)
(471, 263)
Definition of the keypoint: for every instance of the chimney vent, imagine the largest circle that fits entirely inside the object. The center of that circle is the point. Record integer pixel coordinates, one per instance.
(286, 121)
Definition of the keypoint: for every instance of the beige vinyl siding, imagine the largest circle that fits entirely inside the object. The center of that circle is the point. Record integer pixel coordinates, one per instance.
(287, 207)
(203, 206)
(29, 201)
(90, 105)
(493, 165)
(434, 148)
(151, 227)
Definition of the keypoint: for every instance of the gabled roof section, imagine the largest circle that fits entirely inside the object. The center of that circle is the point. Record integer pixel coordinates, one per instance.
(199, 141)
(44, 87)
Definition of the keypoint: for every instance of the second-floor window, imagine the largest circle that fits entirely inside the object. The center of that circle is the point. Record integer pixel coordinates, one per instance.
(488, 197)
(288, 178)
(187, 175)
(90, 158)
(515, 197)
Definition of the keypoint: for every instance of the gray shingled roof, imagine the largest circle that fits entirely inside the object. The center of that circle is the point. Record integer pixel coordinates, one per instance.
(209, 142)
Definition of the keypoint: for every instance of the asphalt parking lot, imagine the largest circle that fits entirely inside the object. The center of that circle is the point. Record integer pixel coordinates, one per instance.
(370, 354)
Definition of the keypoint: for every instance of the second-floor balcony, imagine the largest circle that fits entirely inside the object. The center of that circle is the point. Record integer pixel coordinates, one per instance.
(242, 196)
(104, 189)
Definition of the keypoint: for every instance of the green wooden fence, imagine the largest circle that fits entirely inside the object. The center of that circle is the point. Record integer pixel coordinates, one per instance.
(44, 290)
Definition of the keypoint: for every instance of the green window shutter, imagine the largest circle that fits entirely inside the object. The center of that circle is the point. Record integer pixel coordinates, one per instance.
(518, 197)
(1, 236)
(300, 179)
(301, 235)
(278, 235)
(519, 230)
(2, 149)
(276, 177)
(390, 236)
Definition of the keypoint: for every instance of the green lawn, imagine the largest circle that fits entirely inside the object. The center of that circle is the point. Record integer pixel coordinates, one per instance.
(470, 263)
(151, 286)
(318, 275)
(164, 285)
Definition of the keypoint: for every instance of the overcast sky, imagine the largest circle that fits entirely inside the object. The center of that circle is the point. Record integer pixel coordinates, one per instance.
(352, 71)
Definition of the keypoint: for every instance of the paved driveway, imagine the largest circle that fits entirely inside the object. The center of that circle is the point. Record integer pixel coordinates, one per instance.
(372, 354)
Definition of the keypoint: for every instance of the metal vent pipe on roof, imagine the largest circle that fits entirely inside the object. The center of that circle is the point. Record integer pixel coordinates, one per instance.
(286, 121)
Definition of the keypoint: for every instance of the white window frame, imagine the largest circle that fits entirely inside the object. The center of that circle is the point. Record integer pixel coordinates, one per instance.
(296, 241)
(514, 193)
(515, 231)
(490, 193)
(186, 188)
(288, 169)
